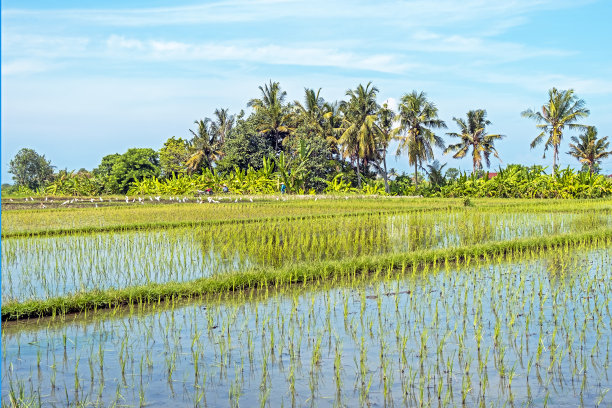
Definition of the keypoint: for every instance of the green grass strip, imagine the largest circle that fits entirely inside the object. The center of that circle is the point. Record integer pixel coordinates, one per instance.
(187, 224)
(294, 274)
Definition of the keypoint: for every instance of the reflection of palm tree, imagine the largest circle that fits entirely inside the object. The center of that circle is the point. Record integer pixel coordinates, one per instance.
(417, 117)
(588, 149)
(474, 136)
(205, 145)
(563, 108)
(274, 115)
(359, 128)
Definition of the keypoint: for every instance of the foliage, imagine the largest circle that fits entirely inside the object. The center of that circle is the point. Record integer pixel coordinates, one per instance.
(173, 156)
(589, 150)
(244, 147)
(308, 155)
(562, 109)
(30, 169)
(516, 181)
(359, 127)
(119, 171)
(205, 147)
(274, 116)
(473, 136)
(434, 172)
(76, 184)
(418, 117)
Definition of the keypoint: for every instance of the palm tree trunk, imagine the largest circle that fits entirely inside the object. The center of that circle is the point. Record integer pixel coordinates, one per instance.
(416, 175)
(555, 153)
(385, 173)
(358, 173)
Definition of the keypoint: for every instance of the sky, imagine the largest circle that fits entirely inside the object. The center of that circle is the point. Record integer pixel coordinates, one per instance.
(80, 83)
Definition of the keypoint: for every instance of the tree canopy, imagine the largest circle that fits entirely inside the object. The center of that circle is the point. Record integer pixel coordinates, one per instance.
(30, 169)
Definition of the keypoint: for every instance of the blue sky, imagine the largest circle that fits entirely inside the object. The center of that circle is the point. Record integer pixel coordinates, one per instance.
(80, 83)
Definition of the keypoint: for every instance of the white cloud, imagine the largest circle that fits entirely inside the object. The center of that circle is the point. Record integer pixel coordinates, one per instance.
(120, 42)
(23, 67)
(266, 54)
(410, 14)
(543, 82)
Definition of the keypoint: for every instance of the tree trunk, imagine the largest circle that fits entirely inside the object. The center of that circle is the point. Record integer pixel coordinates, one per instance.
(416, 175)
(555, 152)
(385, 173)
(358, 173)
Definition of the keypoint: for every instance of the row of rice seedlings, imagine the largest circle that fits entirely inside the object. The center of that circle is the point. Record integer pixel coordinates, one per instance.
(136, 215)
(139, 216)
(528, 328)
(40, 268)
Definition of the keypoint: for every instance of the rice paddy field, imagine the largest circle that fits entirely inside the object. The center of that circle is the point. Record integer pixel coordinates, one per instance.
(312, 301)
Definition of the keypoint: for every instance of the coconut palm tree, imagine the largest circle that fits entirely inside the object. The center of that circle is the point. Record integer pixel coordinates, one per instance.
(589, 149)
(205, 146)
(359, 129)
(386, 120)
(418, 117)
(474, 136)
(434, 172)
(275, 115)
(222, 125)
(332, 127)
(312, 111)
(562, 109)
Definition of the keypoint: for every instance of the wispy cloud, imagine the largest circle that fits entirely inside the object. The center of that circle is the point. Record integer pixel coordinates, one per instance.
(18, 44)
(272, 54)
(415, 13)
(484, 49)
(539, 82)
(25, 67)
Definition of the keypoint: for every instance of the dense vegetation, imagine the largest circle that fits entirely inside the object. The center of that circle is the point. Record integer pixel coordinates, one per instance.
(315, 146)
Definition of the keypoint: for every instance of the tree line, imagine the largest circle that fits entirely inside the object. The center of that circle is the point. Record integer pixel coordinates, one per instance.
(313, 142)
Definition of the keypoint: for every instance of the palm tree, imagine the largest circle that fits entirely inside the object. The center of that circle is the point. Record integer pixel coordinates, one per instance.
(589, 149)
(434, 172)
(473, 135)
(275, 116)
(418, 117)
(205, 145)
(386, 119)
(312, 111)
(359, 128)
(563, 108)
(222, 125)
(332, 126)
